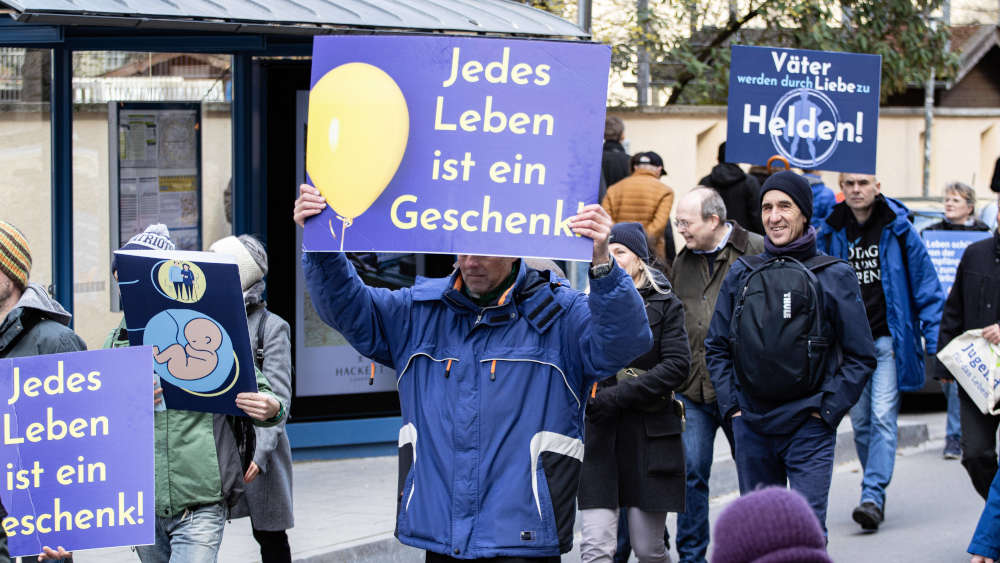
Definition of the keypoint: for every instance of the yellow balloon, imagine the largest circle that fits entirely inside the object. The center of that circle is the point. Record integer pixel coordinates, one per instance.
(358, 127)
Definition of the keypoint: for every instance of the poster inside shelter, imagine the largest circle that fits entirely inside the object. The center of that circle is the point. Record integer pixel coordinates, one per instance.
(157, 170)
(454, 144)
(77, 454)
(189, 307)
(817, 109)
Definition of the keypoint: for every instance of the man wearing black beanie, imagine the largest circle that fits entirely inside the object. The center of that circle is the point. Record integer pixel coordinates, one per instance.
(769, 350)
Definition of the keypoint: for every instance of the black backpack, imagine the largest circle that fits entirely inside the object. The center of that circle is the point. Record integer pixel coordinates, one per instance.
(779, 349)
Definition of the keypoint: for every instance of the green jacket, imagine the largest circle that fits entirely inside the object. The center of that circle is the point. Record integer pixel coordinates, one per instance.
(187, 472)
(698, 291)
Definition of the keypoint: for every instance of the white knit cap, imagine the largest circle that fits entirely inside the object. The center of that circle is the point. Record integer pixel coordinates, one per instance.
(250, 271)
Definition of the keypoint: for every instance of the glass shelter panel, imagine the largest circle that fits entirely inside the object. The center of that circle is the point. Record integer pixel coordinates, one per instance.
(151, 144)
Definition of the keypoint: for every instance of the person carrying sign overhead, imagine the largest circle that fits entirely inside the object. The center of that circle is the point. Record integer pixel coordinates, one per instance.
(494, 366)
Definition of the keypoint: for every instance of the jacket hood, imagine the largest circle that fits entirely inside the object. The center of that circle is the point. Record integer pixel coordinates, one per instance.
(897, 217)
(727, 174)
(35, 297)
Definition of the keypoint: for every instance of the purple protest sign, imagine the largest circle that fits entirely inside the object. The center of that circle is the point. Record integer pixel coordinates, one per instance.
(454, 144)
(77, 451)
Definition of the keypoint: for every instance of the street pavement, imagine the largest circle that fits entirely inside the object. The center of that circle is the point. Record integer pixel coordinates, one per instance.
(345, 512)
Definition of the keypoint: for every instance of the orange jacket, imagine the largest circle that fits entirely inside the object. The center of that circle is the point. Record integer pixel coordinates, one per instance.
(642, 197)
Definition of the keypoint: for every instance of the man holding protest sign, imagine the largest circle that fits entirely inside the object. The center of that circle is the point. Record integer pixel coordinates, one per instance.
(974, 302)
(202, 459)
(903, 300)
(493, 362)
(32, 322)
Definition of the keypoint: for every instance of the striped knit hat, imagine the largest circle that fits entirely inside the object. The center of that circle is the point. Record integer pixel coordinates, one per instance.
(15, 257)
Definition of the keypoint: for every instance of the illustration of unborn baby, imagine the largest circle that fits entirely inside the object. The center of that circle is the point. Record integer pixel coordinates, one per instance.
(198, 358)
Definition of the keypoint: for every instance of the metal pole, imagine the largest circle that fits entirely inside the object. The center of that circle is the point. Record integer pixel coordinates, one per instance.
(61, 124)
(928, 126)
(584, 14)
(642, 11)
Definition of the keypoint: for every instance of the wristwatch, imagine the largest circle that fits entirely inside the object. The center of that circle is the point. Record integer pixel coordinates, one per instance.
(601, 270)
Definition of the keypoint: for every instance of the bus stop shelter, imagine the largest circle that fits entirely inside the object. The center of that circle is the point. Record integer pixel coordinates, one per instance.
(248, 31)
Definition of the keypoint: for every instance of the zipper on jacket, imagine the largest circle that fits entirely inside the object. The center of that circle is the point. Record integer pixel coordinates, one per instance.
(493, 371)
(553, 366)
(371, 378)
(447, 369)
(410, 361)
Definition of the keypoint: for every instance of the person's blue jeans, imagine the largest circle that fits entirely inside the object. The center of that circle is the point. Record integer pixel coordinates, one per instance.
(802, 459)
(703, 421)
(874, 418)
(953, 424)
(193, 536)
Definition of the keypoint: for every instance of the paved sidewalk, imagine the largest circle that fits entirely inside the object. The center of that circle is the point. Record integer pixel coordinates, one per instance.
(345, 509)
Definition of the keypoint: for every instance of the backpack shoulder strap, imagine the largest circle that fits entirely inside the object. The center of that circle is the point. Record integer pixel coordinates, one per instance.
(820, 261)
(258, 355)
(753, 262)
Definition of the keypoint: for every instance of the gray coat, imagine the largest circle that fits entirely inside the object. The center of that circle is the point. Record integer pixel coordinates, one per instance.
(270, 495)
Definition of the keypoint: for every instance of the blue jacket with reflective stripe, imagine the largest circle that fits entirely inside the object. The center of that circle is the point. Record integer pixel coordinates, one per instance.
(914, 298)
(492, 398)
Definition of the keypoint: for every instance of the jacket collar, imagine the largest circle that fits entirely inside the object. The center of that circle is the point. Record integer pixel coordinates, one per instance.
(535, 295)
(896, 217)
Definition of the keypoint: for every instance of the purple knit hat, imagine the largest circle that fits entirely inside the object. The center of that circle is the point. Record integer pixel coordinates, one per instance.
(773, 525)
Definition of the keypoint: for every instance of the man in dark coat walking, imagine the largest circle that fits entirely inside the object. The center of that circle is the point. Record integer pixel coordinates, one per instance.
(740, 191)
(31, 322)
(791, 440)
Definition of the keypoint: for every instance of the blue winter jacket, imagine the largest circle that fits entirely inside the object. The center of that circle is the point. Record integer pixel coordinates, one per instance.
(823, 199)
(845, 325)
(986, 540)
(492, 398)
(913, 295)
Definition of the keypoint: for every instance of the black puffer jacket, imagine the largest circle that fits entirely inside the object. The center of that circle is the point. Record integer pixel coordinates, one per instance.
(740, 192)
(633, 453)
(974, 301)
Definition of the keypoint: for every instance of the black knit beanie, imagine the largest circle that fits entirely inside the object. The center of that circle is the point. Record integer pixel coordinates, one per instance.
(633, 237)
(795, 186)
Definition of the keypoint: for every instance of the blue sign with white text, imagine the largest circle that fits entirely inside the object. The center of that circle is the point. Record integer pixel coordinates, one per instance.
(817, 109)
(77, 454)
(946, 248)
(454, 144)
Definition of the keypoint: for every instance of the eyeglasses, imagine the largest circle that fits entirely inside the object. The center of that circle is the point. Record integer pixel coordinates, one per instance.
(682, 224)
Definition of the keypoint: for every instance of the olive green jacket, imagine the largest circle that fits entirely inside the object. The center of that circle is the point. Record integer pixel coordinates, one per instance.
(698, 292)
(187, 472)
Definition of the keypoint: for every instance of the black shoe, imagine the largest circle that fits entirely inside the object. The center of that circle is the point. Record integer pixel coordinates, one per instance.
(868, 515)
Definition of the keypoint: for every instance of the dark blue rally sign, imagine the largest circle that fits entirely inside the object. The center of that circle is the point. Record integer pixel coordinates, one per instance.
(818, 109)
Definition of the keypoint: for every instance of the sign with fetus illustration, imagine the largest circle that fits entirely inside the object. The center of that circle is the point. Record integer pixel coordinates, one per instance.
(188, 306)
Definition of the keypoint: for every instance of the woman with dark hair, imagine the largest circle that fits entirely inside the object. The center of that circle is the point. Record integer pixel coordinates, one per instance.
(188, 276)
(634, 456)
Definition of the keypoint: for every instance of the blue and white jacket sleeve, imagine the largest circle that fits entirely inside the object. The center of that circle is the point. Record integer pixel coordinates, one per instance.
(610, 329)
(374, 320)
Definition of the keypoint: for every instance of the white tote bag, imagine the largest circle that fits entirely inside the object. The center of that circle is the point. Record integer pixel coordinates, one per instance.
(975, 364)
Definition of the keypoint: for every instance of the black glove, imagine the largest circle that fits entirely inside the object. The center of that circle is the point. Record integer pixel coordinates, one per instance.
(602, 408)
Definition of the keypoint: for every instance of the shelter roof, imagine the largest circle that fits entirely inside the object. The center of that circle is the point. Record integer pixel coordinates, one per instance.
(298, 17)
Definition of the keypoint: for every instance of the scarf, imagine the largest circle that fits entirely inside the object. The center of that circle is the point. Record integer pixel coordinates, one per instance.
(802, 248)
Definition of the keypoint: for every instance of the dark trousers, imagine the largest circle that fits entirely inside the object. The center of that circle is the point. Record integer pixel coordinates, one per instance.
(438, 558)
(802, 459)
(274, 546)
(179, 289)
(979, 443)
